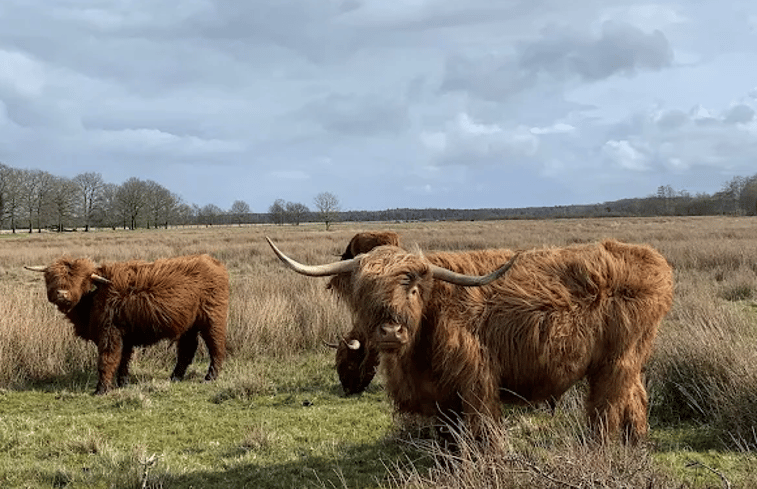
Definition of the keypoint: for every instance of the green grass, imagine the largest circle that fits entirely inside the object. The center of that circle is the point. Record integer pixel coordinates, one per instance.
(297, 432)
(279, 423)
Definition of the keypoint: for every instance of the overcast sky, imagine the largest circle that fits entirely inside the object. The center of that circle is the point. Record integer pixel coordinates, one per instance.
(384, 103)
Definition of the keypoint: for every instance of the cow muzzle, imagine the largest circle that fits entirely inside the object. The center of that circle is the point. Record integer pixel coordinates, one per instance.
(392, 336)
(62, 299)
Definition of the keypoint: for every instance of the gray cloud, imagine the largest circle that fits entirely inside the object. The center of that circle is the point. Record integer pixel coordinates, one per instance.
(671, 119)
(563, 55)
(739, 114)
(364, 115)
(620, 48)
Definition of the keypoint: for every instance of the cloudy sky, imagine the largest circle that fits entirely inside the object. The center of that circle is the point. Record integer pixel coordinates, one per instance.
(384, 103)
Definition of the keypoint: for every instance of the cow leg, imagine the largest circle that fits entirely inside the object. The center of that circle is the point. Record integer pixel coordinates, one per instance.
(215, 340)
(618, 402)
(185, 353)
(109, 348)
(122, 378)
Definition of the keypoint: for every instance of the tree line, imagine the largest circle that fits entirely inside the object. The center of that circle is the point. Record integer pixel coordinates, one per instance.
(35, 200)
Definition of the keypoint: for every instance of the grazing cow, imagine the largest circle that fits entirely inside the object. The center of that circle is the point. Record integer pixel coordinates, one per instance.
(356, 361)
(366, 241)
(122, 305)
(454, 345)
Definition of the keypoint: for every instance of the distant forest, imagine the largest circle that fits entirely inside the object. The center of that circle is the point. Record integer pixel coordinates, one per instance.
(34, 200)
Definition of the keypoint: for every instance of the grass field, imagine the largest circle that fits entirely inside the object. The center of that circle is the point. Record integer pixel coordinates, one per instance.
(276, 416)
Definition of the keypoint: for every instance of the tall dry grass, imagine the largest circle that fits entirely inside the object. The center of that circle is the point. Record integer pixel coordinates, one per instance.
(702, 369)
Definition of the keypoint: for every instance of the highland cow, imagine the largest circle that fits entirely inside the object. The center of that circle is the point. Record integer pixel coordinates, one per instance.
(356, 360)
(121, 305)
(456, 345)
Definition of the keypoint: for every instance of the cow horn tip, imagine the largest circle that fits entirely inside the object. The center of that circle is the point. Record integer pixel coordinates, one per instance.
(100, 278)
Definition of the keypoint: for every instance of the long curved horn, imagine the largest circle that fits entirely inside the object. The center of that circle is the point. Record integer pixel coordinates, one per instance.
(471, 280)
(342, 266)
(100, 278)
(36, 268)
(330, 345)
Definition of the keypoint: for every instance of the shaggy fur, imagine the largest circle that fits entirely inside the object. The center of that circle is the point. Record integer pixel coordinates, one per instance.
(356, 368)
(175, 299)
(366, 241)
(559, 315)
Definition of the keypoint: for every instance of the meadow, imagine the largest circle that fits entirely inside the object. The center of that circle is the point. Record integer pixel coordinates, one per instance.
(277, 417)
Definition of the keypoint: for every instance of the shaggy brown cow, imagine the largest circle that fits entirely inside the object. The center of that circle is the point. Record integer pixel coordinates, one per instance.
(356, 361)
(560, 315)
(122, 305)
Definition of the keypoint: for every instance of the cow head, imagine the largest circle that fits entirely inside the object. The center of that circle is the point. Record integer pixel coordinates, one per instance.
(356, 362)
(366, 241)
(68, 280)
(389, 288)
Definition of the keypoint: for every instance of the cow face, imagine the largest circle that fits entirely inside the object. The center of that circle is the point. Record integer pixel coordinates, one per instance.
(356, 362)
(391, 287)
(68, 281)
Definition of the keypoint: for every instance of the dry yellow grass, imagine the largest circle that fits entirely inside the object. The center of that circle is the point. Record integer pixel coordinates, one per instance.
(277, 313)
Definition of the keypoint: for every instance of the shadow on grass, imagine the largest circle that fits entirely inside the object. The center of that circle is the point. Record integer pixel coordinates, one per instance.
(691, 436)
(76, 381)
(83, 381)
(355, 466)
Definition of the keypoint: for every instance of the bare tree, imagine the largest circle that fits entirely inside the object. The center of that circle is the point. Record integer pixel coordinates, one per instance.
(240, 211)
(277, 212)
(185, 213)
(132, 198)
(731, 193)
(35, 192)
(295, 212)
(12, 196)
(328, 207)
(4, 174)
(160, 203)
(107, 212)
(209, 214)
(748, 196)
(63, 201)
(90, 186)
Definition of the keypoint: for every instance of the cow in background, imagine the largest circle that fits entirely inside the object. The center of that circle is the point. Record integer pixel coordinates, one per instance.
(356, 360)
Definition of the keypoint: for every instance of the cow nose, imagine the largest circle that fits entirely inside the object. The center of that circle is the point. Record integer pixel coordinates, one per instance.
(63, 295)
(390, 330)
(393, 333)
